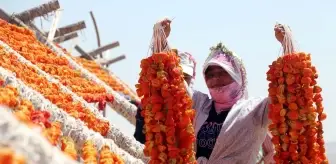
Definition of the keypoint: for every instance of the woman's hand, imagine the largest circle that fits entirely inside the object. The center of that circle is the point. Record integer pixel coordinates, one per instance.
(165, 23)
(279, 32)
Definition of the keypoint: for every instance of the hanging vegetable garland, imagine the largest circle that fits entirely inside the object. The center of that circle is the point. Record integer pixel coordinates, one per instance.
(166, 106)
(296, 108)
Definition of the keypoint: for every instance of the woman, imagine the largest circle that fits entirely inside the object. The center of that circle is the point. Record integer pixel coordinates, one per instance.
(229, 127)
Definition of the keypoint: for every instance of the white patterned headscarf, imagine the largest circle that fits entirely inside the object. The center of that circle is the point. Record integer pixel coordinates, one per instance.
(231, 63)
(188, 64)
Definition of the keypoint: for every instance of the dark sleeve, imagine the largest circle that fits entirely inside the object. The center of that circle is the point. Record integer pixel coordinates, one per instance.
(138, 134)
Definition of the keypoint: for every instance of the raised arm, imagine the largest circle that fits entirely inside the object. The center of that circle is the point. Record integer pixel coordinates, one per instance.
(139, 135)
(160, 43)
(287, 43)
(279, 32)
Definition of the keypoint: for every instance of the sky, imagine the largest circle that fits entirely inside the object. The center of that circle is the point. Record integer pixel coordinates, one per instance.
(246, 27)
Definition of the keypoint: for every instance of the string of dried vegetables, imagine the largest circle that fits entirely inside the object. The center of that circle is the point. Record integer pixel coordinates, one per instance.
(296, 108)
(166, 109)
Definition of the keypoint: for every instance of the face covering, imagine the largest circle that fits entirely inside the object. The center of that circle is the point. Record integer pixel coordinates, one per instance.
(226, 96)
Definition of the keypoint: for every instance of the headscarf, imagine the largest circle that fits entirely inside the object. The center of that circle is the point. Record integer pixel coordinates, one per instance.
(226, 96)
(188, 64)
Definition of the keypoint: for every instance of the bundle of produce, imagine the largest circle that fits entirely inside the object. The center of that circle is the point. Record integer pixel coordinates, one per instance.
(24, 42)
(166, 105)
(296, 108)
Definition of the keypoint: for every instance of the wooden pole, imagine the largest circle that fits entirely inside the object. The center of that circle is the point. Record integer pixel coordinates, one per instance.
(4, 16)
(97, 32)
(69, 28)
(83, 53)
(41, 10)
(109, 62)
(99, 50)
(66, 37)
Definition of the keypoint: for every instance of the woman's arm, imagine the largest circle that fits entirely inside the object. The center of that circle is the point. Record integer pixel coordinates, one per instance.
(281, 33)
(160, 42)
(139, 135)
(261, 111)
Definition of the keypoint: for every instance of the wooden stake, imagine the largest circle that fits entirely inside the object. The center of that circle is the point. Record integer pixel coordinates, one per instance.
(69, 28)
(96, 29)
(83, 53)
(100, 50)
(41, 10)
(4, 16)
(66, 37)
(109, 62)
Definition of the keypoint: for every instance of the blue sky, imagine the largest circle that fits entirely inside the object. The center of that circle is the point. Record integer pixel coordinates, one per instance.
(246, 27)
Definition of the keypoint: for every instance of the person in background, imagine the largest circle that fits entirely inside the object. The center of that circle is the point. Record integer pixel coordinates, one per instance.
(188, 65)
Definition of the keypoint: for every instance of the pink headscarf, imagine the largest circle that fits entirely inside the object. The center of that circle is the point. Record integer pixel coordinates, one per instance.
(226, 96)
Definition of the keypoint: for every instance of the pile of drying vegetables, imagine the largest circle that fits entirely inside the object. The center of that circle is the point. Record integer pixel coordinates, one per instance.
(23, 41)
